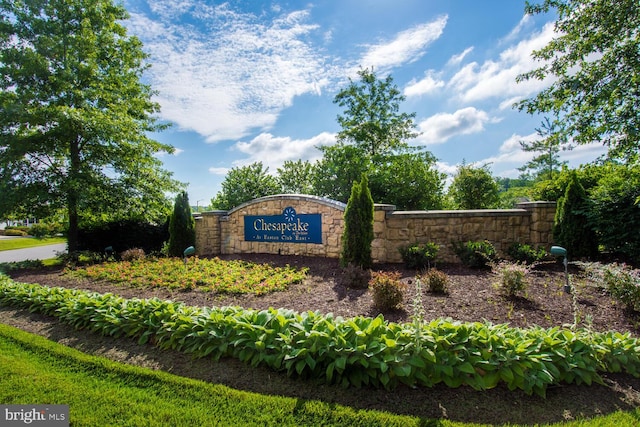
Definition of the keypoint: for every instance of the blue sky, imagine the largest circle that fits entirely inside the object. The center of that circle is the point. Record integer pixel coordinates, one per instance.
(247, 81)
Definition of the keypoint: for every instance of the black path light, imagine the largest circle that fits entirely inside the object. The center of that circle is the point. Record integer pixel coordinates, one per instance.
(560, 251)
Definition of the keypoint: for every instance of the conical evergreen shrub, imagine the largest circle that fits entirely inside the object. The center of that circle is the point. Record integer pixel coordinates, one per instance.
(358, 227)
(571, 228)
(182, 233)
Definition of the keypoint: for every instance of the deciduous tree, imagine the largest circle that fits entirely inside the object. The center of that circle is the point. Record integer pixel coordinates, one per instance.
(296, 177)
(372, 119)
(473, 188)
(75, 118)
(594, 63)
(245, 183)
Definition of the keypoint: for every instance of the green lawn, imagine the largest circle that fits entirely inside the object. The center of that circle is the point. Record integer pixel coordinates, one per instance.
(99, 391)
(28, 242)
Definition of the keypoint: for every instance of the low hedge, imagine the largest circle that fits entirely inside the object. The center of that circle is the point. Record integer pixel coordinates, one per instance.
(351, 352)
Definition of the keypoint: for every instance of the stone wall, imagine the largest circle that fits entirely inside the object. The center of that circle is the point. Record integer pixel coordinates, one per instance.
(222, 232)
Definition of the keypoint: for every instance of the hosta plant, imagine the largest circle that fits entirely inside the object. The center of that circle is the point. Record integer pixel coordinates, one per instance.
(350, 352)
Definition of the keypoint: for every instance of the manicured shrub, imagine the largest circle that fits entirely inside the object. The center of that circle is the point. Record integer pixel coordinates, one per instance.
(39, 230)
(182, 232)
(525, 253)
(123, 235)
(419, 255)
(132, 254)
(14, 232)
(512, 277)
(475, 254)
(388, 290)
(358, 227)
(355, 277)
(437, 281)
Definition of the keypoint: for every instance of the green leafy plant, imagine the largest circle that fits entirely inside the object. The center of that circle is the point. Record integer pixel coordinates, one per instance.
(525, 253)
(357, 352)
(623, 283)
(388, 290)
(512, 277)
(419, 255)
(437, 281)
(475, 254)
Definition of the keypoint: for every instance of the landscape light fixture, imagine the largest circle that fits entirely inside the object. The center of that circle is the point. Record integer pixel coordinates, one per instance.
(187, 252)
(560, 251)
(108, 251)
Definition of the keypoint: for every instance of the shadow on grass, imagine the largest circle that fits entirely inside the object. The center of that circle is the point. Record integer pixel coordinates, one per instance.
(496, 406)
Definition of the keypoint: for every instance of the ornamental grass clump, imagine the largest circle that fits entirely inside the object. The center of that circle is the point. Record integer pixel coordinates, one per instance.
(388, 290)
(512, 277)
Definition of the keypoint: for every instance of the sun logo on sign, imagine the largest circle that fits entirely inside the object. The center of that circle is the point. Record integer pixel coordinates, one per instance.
(289, 214)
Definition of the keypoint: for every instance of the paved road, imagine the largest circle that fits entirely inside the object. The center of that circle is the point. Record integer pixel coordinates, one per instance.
(38, 252)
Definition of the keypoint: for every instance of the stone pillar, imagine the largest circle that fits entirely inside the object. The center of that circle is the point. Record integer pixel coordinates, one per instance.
(542, 218)
(208, 232)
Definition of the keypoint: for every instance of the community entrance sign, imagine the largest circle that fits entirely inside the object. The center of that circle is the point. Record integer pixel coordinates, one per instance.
(290, 227)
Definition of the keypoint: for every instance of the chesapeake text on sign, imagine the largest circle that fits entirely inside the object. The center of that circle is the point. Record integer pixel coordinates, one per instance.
(290, 227)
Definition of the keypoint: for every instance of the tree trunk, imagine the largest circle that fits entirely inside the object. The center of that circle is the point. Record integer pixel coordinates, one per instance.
(72, 195)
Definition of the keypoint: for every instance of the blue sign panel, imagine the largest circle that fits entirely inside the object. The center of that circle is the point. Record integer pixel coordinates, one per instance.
(287, 228)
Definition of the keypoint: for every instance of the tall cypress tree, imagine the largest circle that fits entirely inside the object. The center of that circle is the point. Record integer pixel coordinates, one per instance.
(358, 226)
(571, 228)
(182, 233)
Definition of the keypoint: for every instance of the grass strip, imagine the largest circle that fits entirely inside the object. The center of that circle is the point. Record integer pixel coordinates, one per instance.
(28, 242)
(98, 391)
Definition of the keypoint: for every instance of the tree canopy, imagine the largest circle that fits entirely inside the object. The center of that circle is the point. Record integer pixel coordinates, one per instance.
(372, 119)
(244, 183)
(474, 188)
(594, 63)
(74, 115)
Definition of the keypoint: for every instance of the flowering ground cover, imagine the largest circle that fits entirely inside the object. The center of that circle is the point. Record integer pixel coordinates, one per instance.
(215, 275)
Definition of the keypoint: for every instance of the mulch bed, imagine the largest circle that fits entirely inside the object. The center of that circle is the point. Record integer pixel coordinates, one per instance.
(471, 297)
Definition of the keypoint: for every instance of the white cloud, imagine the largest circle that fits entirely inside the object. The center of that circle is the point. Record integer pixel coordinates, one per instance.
(427, 85)
(457, 59)
(408, 46)
(232, 73)
(497, 78)
(440, 127)
(218, 171)
(274, 151)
